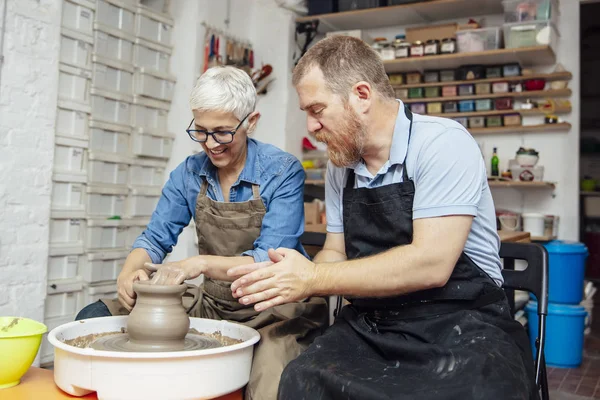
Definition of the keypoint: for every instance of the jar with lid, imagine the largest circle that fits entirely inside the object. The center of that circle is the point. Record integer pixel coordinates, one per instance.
(384, 48)
(432, 47)
(401, 47)
(448, 46)
(417, 49)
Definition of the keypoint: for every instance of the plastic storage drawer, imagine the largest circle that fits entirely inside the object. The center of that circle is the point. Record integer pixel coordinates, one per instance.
(63, 299)
(74, 84)
(147, 173)
(112, 75)
(152, 144)
(64, 266)
(142, 202)
(154, 84)
(93, 293)
(136, 228)
(106, 234)
(67, 195)
(476, 40)
(109, 138)
(72, 120)
(529, 34)
(78, 15)
(159, 6)
(105, 201)
(530, 10)
(46, 349)
(153, 26)
(76, 48)
(151, 56)
(116, 14)
(103, 266)
(67, 231)
(150, 114)
(113, 43)
(70, 156)
(108, 169)
(111, 107)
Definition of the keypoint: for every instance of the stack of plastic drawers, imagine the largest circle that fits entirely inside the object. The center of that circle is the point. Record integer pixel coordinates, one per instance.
(111, 146)
(153, 91)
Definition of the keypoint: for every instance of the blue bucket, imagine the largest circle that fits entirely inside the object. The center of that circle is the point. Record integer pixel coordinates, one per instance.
(564, 333)
(566, 264)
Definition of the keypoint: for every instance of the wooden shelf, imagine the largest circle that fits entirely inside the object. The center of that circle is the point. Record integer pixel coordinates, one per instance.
(316, 182)
(591, 194)
(525, 113)
(521, 185)
(565, 126)
(526, 56)
(536, 93)
(406, 14)
(542, 238)
(557, 76)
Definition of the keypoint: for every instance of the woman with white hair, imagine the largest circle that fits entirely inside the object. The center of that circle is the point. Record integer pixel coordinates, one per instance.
(246, 197)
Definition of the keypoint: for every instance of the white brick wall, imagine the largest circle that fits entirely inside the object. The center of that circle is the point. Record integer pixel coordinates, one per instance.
(27, 117)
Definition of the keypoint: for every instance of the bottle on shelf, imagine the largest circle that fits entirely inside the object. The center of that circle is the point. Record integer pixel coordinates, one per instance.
(495, 161)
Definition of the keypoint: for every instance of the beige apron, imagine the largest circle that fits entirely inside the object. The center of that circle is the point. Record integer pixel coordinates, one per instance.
(229, 229)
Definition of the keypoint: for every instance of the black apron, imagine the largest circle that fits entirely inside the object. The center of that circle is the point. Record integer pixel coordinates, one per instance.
(454, 342)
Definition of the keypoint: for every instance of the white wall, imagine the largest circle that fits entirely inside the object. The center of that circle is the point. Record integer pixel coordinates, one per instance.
(27, 114)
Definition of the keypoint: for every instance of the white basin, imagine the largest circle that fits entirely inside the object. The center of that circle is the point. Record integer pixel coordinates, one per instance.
(197, 374)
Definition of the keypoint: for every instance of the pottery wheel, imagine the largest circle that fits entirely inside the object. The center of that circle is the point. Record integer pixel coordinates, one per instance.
(120, 342)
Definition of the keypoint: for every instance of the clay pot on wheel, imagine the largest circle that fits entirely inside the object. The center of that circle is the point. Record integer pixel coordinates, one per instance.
(158, 321)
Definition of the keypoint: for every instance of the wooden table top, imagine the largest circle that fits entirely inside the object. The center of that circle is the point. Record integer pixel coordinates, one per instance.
(505, 236)
(38, 383)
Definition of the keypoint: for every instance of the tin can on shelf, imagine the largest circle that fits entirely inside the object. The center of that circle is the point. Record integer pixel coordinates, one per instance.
(512, 120)
(466, 106)
(397, 79)
(449, 91)
(432, 76)
(466, 90)
(477, 122)
(417, 49)
(432, 47)
(448, 75)
(500, 87)
(464, 121)
(401, 93)
(484, 105)
(413, 78)
(510, 70)
(450, 107)
(415, 93)
(434, 108)
(505, 103)
(418, 108)
(483, 88)
(493, 72)
(432, 91)
(494, 121)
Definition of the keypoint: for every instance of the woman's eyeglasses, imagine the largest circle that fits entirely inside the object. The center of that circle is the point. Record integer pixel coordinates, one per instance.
(222, 137)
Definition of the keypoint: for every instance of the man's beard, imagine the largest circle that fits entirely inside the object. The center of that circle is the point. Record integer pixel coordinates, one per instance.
(345, 145)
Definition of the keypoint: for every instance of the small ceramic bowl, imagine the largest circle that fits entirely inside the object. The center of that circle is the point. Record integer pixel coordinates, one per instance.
(535, 84)
(527, 160)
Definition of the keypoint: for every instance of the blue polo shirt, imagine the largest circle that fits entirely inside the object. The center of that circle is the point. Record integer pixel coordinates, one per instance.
(449, 173)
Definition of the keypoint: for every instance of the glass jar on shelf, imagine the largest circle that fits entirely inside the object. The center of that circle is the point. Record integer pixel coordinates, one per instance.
(417, 49)
(401, 47)
(432, 47)
(448, 46)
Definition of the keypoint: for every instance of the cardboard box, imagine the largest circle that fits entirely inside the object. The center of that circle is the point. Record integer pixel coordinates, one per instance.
(427, 32)
(311, 213)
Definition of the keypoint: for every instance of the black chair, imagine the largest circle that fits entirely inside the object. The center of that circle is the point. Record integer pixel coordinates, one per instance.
(533, 279)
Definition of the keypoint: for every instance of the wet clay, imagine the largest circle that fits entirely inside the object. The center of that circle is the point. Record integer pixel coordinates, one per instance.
(12, 323)
(158, 321)
(94, 339)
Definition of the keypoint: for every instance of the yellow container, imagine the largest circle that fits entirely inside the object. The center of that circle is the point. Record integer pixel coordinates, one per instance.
(20, 340)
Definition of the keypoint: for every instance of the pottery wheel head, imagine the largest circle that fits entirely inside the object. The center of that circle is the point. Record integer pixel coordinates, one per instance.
(120, 342)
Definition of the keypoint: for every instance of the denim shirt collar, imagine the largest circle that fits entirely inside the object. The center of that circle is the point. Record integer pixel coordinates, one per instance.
(250, 173)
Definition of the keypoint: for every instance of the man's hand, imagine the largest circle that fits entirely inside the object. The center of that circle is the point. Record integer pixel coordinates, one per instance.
(175, 273)
(288, 277)
(125, 286)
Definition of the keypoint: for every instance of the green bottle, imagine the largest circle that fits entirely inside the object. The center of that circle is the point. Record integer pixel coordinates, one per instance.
(495, 171)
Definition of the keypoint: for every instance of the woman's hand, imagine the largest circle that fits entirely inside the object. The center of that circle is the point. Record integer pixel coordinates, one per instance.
(175, 273)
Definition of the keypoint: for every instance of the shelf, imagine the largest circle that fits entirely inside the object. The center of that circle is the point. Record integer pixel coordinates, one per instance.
(520, 184)
(590, 194)
(565, 126)
(536, 93)
(406, 14)
(557, 76)
(525, 113)
(526, 56)
(316, 182)
(542, 238)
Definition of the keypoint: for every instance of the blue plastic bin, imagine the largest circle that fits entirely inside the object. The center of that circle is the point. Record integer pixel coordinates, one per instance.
(566, 263)
(564, 333)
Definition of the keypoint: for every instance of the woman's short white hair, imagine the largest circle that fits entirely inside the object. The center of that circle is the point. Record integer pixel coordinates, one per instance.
(226, 89)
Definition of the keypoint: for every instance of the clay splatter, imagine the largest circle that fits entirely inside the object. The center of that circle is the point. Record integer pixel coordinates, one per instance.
(12, 323)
